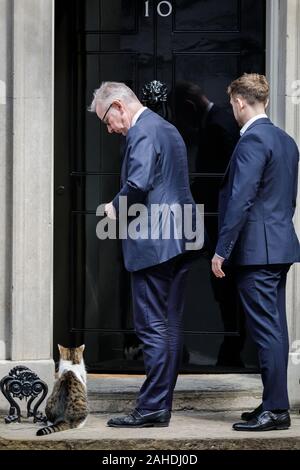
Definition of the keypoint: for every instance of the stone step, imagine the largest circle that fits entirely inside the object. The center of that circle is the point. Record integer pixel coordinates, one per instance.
(188, 430)
(213, 392)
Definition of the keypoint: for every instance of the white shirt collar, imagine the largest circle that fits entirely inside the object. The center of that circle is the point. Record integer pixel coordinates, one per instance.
(209, 106)
(137, 115)
(251, 121)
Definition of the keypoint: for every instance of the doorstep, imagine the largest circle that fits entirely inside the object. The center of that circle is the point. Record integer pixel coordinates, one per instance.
(198, 392)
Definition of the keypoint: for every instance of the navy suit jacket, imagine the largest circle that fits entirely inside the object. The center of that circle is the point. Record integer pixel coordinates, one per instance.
(258, 198)
(155, 171)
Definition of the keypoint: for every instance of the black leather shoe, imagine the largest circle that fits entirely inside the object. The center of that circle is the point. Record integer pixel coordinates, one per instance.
(265, 421)
(252, 414)
(136, 420)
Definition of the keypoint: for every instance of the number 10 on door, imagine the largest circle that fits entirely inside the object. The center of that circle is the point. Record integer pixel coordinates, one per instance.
(163, 8)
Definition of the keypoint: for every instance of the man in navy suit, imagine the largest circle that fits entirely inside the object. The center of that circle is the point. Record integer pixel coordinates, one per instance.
(154, 172)
(256, 233)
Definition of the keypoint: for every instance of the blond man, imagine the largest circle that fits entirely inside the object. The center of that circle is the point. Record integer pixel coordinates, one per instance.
(256, 233)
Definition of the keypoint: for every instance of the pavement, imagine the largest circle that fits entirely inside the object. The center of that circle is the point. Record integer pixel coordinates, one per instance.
(188, 430)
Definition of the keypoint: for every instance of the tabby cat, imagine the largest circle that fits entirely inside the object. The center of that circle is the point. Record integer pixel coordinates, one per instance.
(67, 406)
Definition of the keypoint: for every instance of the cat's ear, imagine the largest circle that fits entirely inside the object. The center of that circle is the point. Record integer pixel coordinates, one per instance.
(82, 348)
(60, 348)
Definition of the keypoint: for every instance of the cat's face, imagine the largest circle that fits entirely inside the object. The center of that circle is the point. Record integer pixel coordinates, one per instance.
(75, 355)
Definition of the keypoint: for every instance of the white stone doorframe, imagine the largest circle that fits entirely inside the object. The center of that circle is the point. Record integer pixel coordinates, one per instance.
(283, 70)
(29, 238)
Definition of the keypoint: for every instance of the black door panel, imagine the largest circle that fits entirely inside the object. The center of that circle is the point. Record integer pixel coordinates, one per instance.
(200, 47)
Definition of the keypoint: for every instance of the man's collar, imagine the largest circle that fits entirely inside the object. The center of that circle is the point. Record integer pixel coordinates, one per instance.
(137, 115)
(209, 106)
(251, 121)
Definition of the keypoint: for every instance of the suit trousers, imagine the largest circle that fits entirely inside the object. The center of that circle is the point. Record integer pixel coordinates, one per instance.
(262, 292)
(158, 301)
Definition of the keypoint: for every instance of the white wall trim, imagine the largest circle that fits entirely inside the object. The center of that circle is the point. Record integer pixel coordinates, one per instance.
(33, 162)
(276, 58)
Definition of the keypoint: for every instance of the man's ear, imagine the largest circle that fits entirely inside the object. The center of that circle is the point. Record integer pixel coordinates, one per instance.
(241, 103)
(267, 103)
(119, 106)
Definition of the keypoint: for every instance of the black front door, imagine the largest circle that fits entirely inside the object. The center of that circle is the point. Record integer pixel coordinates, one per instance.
(195, 47)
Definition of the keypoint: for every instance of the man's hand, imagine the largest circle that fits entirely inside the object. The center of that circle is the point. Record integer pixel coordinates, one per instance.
(216, 265)
(110, 211)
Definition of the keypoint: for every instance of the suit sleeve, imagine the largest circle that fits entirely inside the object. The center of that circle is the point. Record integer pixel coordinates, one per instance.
(140, 169)
(250, 161)
(295, 188)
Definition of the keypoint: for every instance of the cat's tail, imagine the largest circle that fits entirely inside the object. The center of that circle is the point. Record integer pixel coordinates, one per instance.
(62, 426)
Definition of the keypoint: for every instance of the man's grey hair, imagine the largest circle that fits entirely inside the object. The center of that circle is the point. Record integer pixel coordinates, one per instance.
(111, 91)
